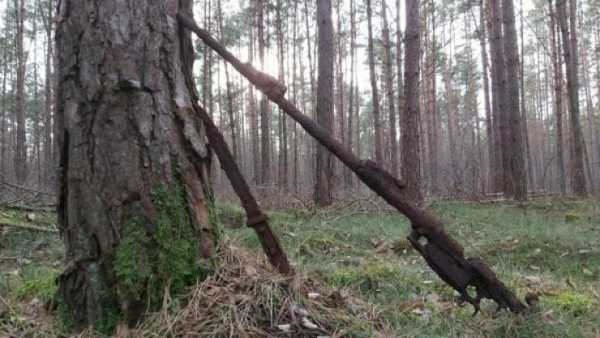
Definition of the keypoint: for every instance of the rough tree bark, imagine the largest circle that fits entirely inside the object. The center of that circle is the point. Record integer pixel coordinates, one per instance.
(324, 164)
(410, 139)
(133, 196)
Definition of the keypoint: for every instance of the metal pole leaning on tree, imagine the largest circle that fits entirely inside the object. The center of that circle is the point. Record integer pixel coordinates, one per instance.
(256, 219)
(442, 253)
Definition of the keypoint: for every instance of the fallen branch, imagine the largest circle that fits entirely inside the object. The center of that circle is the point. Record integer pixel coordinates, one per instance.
(443, 254)
(28, 208)
(26, 227)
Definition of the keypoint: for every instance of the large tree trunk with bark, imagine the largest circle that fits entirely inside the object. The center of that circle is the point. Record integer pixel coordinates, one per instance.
(133, 191)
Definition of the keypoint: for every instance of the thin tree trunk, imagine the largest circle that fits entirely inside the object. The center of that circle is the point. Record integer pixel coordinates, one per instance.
(433, 131)
(399, 67)
(492, 165)
(296, 102)
(569, 36)
(500, 96)
(3, 125)
(351, 104)
(324, 164)
(410, 140)
(48, 172)
(283, 144)
(265, 120)
(20, 159)
(229, 93)
(254, 135)
(558, 99)
(374, 91)
(389, 81)
(525, 118)
(516, 144)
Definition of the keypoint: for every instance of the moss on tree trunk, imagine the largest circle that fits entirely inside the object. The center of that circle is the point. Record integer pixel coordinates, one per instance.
(134, 201)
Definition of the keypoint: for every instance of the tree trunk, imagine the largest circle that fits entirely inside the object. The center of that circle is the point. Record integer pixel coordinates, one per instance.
(374, 90)
(283, 144)
(133, 197)
(569, 38)
(3, 117)
(296, 134)
(431, 113)
(492, 165)
(389, 83)
(525, 118)
(500, 96)
(399, 68)
(228, 89)
(410, 140)
(20, 159)
(324, 164)
(558, 99)
(516, 144)
(254, 141)
(48, 18)
(265, 120)
(351, 106)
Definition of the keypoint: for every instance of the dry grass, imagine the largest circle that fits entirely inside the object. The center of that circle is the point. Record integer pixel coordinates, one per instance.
(246, 298)
(243, 298)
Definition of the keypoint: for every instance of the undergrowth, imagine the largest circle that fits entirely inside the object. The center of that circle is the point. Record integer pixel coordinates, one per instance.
(369, 282)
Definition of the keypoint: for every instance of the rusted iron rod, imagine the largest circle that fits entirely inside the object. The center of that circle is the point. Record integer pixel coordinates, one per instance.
(256, 219)
(442, 253)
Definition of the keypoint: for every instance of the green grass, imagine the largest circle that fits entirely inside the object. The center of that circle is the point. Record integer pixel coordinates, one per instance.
(550, 247)
(538, 247)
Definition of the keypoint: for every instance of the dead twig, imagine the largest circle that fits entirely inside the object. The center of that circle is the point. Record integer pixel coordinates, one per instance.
(27, 227)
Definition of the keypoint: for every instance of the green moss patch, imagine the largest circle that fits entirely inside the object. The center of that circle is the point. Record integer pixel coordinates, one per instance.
(146, 264)
(571, 302)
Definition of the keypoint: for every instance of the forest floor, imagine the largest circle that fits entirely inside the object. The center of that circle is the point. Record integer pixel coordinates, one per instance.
(551, 247)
